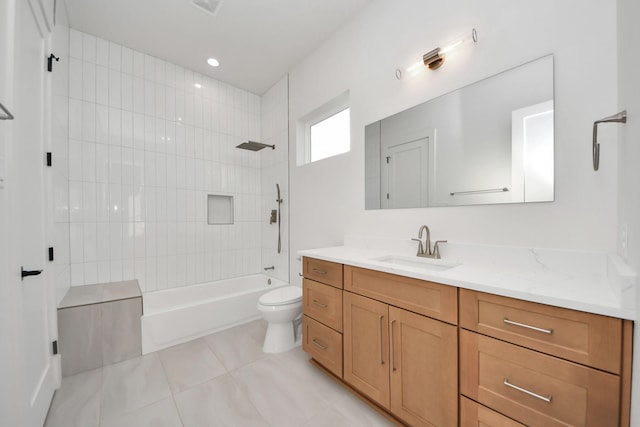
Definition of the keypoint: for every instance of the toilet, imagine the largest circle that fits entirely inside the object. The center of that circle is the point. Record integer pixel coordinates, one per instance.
(282, 309)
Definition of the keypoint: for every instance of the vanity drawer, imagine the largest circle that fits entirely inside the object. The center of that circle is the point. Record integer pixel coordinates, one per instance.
(535, 388)
(473, 414)
(323, 344)
(323, 303)
(420, 296)
(326, 272)
(585, 338)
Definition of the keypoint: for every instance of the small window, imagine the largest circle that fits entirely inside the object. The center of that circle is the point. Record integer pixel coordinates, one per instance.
(325, 132)
(331, 136)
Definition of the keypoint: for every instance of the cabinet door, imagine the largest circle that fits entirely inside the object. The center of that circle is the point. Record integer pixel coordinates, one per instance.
(424, 369)
(366, 347)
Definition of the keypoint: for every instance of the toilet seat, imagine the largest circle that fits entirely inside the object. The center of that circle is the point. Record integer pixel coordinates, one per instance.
(282, 296)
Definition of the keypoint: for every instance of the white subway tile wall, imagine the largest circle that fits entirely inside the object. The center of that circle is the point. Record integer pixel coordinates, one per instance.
(145, 147)
(62, 168)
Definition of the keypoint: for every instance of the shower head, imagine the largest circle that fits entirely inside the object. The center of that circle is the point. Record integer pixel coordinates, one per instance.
(254, 146)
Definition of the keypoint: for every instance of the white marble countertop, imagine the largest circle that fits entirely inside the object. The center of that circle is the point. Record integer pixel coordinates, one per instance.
(594, 282)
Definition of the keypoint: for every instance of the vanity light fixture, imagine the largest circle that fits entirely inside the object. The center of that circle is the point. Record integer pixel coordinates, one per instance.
(435, 58)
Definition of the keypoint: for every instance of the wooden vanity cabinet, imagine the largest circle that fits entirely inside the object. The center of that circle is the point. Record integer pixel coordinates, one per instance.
(403, 361)
(322, 313)
(473, 414)
(396, 341)
(542, 365)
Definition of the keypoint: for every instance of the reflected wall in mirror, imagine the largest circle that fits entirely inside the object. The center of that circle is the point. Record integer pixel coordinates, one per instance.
(489, 142)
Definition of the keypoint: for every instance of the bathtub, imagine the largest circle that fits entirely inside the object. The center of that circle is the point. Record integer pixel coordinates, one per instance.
(177, 315)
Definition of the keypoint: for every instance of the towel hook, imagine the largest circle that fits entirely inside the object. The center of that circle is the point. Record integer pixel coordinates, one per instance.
(621, 117)
(7, 113)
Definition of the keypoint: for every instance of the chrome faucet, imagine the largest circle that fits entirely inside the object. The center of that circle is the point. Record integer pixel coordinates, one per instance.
(421, 249)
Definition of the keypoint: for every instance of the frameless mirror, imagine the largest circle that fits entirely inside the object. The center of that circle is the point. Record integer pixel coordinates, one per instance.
(489, 142)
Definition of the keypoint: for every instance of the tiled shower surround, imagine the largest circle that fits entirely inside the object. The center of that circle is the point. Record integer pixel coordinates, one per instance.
(148, 141)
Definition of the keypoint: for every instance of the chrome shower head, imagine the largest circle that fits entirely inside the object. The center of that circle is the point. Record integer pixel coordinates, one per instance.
(254, 146)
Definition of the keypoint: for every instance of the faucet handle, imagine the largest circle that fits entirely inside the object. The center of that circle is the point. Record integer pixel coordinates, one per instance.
(420, 247)
(436, 248)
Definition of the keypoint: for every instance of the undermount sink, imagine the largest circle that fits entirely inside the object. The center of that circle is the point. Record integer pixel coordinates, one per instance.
(429, 264)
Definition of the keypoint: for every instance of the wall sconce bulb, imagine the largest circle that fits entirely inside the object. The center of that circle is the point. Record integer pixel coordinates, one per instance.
(433, 59)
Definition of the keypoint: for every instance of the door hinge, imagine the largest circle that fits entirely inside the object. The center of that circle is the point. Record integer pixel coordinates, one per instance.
(51, 254)
(387, 196)
(54, 347)
(50, 62)
(388, 158)
(49, 159)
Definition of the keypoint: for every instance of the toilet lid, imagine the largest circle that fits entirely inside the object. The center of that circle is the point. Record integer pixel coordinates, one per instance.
(281, 296)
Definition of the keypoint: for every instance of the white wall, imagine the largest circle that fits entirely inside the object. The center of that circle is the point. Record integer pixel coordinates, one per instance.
(629, 172)
(328, 196)
(275, 166)
(145, 148)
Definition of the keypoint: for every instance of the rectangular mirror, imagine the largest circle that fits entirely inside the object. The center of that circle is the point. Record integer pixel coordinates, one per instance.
(486, 143)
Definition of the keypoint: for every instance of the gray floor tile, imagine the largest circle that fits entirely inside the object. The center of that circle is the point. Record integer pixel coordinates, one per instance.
(239, 346)
(190, 364)
(160, 414)
(358, 413)
(218, 402)
(276, 391)
(77, 403)
(132, 384)
(297, 363)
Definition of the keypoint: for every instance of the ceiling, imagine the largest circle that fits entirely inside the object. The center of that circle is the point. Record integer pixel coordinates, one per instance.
(256, 41)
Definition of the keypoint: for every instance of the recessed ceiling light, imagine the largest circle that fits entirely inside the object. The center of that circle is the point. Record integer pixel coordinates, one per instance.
(213, 62)
(197, 85)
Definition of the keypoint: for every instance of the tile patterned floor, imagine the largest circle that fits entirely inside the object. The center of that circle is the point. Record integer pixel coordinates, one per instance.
(223, 379)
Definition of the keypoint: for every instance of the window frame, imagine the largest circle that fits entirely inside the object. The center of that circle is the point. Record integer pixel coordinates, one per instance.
(320, 114)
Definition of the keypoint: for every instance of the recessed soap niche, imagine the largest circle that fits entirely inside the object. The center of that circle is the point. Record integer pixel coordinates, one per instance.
(219, 209)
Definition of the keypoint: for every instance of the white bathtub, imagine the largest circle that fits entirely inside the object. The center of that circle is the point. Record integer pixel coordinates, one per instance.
(177, 315)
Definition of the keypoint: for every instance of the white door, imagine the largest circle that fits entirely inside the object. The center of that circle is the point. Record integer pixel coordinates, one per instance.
(407, 174)
(27, 304)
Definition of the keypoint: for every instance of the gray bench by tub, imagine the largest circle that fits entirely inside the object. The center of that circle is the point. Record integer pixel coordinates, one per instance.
(99, 325)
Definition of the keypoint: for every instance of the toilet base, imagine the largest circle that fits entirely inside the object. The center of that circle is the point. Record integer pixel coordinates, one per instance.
(280, 337)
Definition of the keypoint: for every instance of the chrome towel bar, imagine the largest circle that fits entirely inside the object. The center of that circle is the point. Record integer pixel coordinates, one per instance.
(489, 190)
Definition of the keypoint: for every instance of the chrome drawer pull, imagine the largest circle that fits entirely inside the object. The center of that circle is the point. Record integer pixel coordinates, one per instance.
(319, 344)
(315, 270)
(381, 355)
(522, 325)
(393, 356)
(319, 304)
(525, 391)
